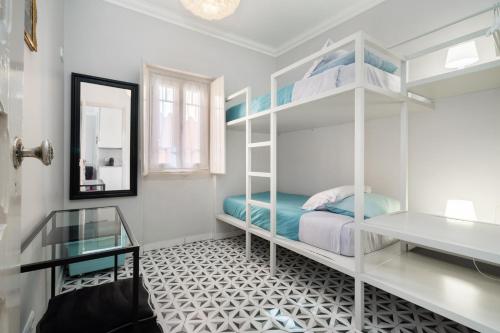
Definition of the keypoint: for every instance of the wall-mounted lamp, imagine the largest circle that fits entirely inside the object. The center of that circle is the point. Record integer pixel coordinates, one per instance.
(462, 55)
(461, 210)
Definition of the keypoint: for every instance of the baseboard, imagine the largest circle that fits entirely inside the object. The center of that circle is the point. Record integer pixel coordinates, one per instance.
(222, 235)
(189, 239)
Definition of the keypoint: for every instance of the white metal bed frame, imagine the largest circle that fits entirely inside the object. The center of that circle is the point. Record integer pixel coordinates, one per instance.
(351, 266)
(391, 268)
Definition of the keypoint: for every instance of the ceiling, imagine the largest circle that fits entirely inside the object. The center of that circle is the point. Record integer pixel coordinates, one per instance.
(272, 27)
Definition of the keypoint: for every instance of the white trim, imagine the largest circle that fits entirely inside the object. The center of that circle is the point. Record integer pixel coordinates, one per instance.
(333, 22)
(188, 239)
(274, 51)
(164, 15)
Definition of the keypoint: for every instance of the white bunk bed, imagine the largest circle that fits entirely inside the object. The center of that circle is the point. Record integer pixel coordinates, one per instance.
(354, 102)
(447, 288)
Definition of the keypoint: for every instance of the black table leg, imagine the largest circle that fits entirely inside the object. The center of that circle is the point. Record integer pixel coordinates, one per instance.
(116, 267)
(52, 281)
(135, 282)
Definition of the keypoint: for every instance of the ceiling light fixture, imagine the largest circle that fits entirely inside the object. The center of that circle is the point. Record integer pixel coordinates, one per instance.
(211, 9)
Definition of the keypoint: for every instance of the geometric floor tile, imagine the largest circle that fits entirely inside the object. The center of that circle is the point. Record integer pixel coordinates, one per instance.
(210, 286)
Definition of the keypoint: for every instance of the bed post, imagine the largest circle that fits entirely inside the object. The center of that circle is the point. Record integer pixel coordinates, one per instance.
(404, 147)
(248, 194)
(359, 179)
(273, 138)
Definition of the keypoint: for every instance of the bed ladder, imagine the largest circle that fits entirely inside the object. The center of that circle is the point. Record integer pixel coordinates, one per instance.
(271, 206)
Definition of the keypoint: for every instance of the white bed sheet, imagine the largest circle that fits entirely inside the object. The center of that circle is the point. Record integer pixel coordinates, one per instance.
(342, 75)
(335, 233)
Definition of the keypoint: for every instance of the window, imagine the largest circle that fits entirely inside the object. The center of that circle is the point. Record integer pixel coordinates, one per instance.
(179, 112)
(179, 121)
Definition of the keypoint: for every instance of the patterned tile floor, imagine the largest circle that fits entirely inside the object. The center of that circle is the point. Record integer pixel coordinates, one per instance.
(209, 286)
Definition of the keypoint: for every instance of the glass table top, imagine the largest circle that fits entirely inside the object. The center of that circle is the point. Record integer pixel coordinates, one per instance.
(76, 233)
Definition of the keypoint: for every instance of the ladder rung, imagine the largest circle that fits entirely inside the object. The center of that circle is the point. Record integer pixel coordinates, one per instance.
(261, 204)
(260, 174)
(260, 144)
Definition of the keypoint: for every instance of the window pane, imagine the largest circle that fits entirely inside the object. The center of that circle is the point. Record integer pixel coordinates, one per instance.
(179, 124)
(165, 131)
(192, 126)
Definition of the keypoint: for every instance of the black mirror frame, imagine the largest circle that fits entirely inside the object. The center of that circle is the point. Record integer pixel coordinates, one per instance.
(74, 172)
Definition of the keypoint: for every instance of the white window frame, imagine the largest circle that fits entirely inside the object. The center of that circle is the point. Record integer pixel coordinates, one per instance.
(216, 163)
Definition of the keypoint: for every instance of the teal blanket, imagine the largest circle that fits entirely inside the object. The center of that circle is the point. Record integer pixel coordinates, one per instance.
(260, 103)
(288, 212)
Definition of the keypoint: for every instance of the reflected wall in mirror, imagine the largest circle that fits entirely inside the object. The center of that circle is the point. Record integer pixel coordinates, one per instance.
(104, 120)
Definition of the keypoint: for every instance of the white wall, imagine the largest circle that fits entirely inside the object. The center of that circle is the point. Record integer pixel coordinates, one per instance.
(455, 154)
(454, 150)
(109, 41)
(42, 118)
(310, 161)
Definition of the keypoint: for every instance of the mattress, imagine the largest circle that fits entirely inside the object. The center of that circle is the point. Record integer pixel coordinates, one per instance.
(329, 79)
(288, 212)
(335, 233)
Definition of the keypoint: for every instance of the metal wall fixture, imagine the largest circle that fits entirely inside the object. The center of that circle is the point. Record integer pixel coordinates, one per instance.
(44, 152)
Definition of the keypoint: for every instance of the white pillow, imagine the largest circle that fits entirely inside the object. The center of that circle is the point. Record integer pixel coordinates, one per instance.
(317, 61)
(319, 200)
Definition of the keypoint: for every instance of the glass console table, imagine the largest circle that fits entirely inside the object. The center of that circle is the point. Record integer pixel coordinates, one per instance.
(80, 229)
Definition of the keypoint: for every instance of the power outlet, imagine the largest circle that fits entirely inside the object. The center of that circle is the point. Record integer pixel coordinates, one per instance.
(30, 323)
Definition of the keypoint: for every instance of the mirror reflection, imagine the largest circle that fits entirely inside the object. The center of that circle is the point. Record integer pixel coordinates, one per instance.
(104, 138)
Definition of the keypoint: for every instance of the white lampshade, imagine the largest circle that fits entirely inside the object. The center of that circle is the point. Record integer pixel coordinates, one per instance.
(462, 55)
(211, 9)
(461, 210)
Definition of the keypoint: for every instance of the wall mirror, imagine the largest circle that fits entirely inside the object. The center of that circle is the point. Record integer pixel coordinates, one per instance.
(104, 121)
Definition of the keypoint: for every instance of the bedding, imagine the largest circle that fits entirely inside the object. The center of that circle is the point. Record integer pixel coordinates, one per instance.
(347, 58)
(335, 233)
(319, 200)
(375, 204)
(261, 103)
(288, 212)
(332, 78)
(323, 229)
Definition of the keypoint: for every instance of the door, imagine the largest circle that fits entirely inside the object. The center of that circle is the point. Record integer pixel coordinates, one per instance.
(11, 92)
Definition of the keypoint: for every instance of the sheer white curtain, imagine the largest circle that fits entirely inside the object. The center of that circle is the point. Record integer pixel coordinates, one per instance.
(178, 124)
(195, 126)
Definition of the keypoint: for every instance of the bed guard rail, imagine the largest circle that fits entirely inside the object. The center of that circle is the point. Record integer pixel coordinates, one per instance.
(360, 41)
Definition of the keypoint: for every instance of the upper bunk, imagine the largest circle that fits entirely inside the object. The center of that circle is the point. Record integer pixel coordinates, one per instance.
(325, 94)
(459, 58)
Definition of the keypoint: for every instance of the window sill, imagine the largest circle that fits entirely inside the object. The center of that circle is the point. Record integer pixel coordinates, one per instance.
(178, 174)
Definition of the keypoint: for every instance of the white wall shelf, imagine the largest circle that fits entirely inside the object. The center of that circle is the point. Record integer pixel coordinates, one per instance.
(455, 292)
(470, 239)
(468, 80)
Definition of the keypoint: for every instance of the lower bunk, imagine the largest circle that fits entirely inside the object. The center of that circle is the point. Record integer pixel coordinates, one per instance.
(326, 235)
